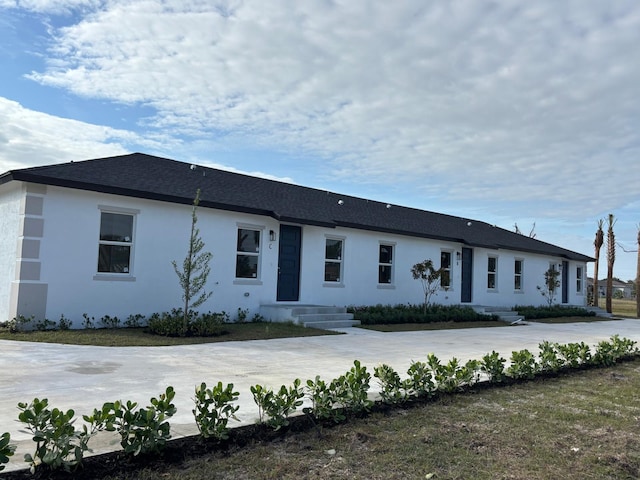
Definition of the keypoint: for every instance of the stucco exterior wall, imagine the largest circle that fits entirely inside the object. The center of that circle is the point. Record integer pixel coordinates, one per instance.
(69, 254)
(11, 197)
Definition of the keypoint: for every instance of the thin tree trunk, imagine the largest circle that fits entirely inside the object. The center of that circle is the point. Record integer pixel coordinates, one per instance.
(598, 244)
(638, 278)
(611, 258)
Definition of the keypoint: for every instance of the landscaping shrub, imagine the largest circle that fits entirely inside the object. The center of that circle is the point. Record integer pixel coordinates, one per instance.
(6, 449)
(492, 364)
(408, 313)
(58, 443)
(214, 408)
(529, 312)
(325, 400)
(274, 408)
(141, 430)
(392, 389)
(420, 382)
(171, 324)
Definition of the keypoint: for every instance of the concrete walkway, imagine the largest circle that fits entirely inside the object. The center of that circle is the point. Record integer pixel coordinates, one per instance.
(84, 377)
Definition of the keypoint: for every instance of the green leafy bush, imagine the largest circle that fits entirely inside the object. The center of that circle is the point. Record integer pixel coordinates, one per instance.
(408, 313)
(393, 389)
(326, 402)
(609, 352)
(107, 321)
(64, 323)
(523, 365)
(88, 322)
(574, 355)
(549, 359)
(45, 324)
(171, 324)
(274, 408)
(214, 408)
(141, 430)
(453, 376)
(492, 364)
(420, 382)
(135, 321)
(352, 389)
(58, 443)
(555, 311)
(6, 449)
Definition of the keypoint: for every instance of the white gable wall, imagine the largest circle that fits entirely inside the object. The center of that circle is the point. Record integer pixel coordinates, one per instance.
(69, 251)
(11, 198)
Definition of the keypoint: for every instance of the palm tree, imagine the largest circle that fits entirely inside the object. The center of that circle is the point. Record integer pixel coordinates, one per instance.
(598, 244)
(611, 258)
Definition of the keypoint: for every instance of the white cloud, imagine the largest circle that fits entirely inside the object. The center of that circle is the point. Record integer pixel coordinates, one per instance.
(525, 106)
(30, 138)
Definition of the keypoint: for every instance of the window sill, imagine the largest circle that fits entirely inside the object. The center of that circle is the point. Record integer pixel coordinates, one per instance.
(493, 290)
(247, 281)
(386, 286)
(333, 284)
(108, 277)
(519, 292)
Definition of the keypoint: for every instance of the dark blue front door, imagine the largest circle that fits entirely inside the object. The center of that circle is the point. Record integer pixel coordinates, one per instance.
(467, 276)
(289, 264)
(565, 281)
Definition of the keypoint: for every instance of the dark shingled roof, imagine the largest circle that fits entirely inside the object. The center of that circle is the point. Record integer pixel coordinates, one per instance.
(146, 176)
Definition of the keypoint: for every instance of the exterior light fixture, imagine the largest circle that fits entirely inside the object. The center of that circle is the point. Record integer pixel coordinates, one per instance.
(272, 236)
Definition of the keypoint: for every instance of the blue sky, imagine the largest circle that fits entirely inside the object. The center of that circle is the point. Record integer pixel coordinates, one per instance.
(506, 112)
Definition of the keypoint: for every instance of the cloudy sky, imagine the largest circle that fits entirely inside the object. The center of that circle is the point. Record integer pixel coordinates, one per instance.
(506, 112)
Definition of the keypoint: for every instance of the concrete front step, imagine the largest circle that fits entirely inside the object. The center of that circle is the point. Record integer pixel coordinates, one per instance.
(600, 312)
(504, 315)
(317, 316)
(329, 324)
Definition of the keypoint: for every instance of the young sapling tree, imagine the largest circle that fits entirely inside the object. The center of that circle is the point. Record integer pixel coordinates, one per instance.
(551, 285)
(429, 277)
(195, 269)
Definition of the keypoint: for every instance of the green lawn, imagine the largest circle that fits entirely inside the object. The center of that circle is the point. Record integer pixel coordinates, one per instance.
(621, 307)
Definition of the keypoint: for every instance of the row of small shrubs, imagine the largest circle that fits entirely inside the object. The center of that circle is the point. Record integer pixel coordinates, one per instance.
(59, 445)
(555, 311)
(409, 313)
(166, 323)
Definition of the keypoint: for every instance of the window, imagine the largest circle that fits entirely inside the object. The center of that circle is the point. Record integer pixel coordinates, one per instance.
(445, 267)
(517, 274)
(248, 253)
(579, 279)
(492, 272)
(333, 260)
(385, 263)
(116, 242)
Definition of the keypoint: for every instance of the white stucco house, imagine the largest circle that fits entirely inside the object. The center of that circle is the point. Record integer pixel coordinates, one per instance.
(98, 237)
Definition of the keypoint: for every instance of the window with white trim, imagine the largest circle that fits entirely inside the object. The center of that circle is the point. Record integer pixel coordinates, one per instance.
(579, 279)
(492, 273)
(517, 274)
(333, 260)
(116, 243)
(385, 264)
(248, 253)
(445, 269)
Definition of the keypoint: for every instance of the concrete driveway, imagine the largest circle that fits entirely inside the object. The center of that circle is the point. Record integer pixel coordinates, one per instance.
(84, 377)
